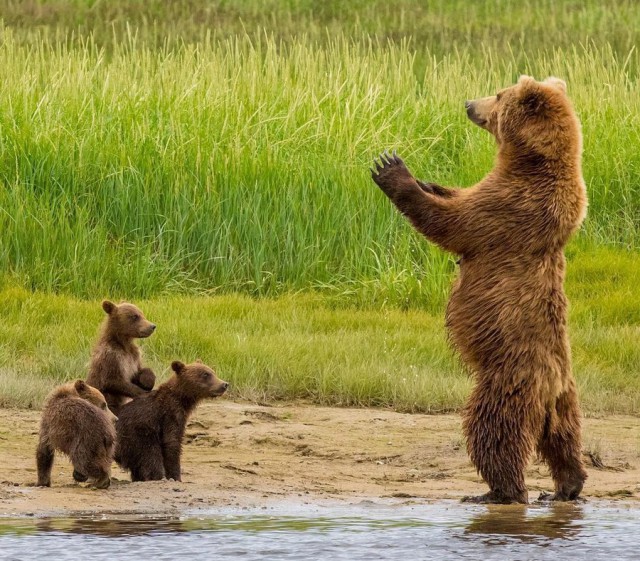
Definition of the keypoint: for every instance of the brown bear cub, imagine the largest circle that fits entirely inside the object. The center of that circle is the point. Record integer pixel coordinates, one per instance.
(150, 428)
(116, 368)
(507, 314)
(77, 421)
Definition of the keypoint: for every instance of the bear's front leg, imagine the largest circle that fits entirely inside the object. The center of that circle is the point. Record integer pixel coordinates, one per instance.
(171, 458)
(172, 449)
(436, 212)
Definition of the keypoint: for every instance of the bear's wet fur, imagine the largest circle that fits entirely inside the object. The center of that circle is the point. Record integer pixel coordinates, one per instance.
(507, 314)
(116, 368)
(151, 427)
(76, 421)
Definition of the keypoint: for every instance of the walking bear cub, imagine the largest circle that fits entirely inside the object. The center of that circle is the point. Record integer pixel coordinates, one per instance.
(507, 314)
(150, 428)
(116, 368)
(77, 422)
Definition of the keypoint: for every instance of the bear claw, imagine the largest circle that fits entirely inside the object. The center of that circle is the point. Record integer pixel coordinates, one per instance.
(493, 497)
(386, 160)
(559, 497)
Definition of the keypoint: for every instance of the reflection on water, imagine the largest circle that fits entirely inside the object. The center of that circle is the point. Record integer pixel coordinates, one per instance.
(365, 531)
(558, 521)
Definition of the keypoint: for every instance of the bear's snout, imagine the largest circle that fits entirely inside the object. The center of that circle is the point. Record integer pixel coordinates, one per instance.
(468, 105)
(219, 388)
(474, 114)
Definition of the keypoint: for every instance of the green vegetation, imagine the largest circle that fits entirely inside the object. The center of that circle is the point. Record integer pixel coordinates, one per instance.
(175, 151)
(313, 347)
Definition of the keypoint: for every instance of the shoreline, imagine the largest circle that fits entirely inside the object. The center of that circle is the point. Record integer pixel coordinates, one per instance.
(242, 455)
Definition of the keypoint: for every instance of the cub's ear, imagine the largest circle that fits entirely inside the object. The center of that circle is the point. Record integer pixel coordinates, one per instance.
(108, 306)
(557, 83)
(80, 386)
(177, 366)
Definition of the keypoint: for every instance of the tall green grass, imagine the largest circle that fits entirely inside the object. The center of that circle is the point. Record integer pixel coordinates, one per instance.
(526, 27)
(242, 165)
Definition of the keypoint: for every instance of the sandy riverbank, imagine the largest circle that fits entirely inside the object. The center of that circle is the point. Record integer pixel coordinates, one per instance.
(249, 455)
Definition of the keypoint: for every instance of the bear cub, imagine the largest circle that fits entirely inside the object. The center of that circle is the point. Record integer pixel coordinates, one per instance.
(151, 427)
(77, 422)
(115, 367)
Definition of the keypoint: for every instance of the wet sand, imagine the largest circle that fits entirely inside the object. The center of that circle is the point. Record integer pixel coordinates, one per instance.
(243, 454)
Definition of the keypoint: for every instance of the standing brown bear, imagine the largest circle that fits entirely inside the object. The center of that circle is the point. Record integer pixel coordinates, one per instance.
(77, 421)
(150, 428)
(116, 368)
(507, 314)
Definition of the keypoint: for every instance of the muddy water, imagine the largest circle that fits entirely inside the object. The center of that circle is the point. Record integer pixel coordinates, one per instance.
(364, 531)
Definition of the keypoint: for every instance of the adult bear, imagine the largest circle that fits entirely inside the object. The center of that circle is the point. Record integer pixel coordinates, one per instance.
(507, 314)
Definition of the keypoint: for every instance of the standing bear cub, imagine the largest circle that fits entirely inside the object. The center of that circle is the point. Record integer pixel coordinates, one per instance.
(507, 314)
(77, 421)
(116, 368)
(150, 428)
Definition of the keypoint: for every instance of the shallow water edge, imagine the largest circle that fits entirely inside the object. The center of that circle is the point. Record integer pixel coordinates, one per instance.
(364, 530)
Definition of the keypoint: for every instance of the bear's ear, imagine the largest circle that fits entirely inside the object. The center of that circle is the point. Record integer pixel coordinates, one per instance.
(177, 366)
(526, 80)
(557, 83)
(533, 98)
(108, 306)
(80, 386)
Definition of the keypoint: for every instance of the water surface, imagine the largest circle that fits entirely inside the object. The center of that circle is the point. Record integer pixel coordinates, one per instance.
(364, 531)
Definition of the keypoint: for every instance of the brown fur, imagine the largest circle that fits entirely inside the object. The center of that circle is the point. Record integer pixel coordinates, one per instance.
(76, 421)
(507, 314)
(116, 368)
(150, 428)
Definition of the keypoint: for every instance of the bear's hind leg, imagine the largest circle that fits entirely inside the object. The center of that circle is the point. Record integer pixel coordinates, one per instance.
(147, 466)
(560, 446)
(44, 462)
(92, 459)
(500, 439)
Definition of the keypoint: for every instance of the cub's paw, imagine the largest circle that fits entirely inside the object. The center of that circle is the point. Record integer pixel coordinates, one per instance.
(390, 173)
(102, 482)
(146, 379)
(79, 476)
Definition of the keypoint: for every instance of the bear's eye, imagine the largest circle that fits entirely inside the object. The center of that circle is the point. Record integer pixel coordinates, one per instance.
(103, 405)
(135, 317)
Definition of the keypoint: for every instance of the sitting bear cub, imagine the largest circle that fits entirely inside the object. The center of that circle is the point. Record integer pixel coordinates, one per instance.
(150, 428)
(116, 368)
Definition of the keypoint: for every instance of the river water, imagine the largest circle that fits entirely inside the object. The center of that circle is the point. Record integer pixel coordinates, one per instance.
(364, 531)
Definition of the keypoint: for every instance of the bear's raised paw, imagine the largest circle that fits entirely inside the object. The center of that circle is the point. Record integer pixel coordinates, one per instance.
(390, 172)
